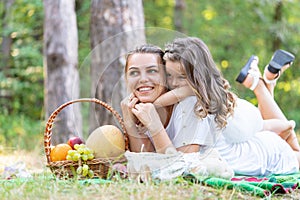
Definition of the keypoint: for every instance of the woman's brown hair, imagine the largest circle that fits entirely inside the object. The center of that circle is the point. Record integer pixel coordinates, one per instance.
(146, 48)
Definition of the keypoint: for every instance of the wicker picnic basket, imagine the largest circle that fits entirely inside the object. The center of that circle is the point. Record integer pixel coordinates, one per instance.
(67, 168)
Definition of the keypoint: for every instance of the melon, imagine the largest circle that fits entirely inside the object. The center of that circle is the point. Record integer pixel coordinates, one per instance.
(106, 141)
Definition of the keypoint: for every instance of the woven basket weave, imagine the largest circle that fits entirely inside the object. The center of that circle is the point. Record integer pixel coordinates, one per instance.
(67, 168)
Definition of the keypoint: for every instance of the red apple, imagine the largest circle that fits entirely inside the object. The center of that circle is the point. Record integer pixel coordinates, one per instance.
(74, 140)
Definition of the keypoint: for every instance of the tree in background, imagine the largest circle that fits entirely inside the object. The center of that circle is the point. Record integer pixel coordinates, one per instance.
(116, 27)
(21, 82)
(6, 95)
(6, 39)
(178, 15)
(232, 30)
(60, 66)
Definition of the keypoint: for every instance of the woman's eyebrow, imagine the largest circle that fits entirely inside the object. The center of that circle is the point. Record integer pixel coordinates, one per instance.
(147, 67)
(152, 66)
(132, 67)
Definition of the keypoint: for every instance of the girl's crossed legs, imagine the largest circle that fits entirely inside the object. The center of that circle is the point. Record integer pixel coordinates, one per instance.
(274, 119)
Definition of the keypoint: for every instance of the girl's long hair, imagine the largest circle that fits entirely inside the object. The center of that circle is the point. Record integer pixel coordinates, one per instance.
(211, 89)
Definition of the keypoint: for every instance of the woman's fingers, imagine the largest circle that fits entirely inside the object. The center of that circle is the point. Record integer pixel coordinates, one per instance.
(146, 113)
(131, 96)
(132, 102)
(126, 105)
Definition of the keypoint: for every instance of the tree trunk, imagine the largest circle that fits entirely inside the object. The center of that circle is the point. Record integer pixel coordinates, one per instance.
(116, 27)
(60, 64)
(6, 95)
(6, 39)
(277, 19)
(178, 15)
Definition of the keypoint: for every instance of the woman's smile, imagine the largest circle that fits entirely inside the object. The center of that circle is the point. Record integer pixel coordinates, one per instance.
(143, 89)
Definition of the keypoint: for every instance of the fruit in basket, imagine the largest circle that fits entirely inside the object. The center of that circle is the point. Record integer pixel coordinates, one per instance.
(106, 141)
(81, 152)
(59, 152)
(75, 140)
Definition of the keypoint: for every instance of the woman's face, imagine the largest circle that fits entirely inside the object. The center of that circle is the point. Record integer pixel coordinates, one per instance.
(145, 76)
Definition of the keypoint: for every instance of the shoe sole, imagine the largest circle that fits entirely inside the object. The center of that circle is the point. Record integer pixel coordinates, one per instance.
(244, 72)
(279, 59)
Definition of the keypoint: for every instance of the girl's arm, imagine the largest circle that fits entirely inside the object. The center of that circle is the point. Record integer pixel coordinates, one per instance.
(174, 96)
(149, 117)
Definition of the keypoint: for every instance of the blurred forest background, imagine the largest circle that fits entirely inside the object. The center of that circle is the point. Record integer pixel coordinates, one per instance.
(233, 29)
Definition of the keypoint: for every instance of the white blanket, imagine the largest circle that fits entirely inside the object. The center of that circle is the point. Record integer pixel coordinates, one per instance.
(145, 165)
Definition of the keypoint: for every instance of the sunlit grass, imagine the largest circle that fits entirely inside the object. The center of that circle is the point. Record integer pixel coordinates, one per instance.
(34, 161)
(43, 185)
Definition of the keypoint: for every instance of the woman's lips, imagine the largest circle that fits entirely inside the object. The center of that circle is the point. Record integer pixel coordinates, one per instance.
(145, 90)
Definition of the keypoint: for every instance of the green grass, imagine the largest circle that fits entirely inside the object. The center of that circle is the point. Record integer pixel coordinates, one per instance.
(43, 185)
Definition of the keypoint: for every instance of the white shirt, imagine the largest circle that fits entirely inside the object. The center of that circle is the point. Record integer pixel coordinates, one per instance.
(186, 128)
(245, 122)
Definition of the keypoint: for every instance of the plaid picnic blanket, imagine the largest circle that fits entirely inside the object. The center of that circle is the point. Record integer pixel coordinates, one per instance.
(260, 186)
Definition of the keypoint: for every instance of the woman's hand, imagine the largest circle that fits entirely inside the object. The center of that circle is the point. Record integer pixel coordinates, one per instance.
(130, 120)
(137, 141)
(126, 105)
(148, 116)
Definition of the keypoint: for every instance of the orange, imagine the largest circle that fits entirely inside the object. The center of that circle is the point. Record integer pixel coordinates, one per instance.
(59, 152)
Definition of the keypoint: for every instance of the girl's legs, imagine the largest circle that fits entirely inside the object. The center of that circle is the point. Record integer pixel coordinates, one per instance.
(271, 78)
(280, 61)
(268, 107)
(270, 110)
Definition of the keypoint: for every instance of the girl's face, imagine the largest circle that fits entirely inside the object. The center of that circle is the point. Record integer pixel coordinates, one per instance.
(145, 76)
(176, 76)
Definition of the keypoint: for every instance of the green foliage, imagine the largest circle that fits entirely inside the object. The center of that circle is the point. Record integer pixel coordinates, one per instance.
(83, 17)
(233, 29)
(24, 80)
(159, 13)
(20, 132)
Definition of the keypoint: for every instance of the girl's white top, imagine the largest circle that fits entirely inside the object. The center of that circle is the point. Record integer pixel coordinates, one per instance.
(251, 151)
(186, 128)
(247, 149)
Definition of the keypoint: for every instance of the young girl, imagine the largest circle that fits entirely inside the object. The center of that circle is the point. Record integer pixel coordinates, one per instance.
(246, 148)
(180, 89)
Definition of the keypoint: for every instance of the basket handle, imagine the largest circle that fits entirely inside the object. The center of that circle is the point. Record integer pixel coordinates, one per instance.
(50, 122)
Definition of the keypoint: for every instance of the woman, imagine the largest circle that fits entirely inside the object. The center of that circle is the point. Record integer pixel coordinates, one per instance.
(246, 150)
(168, 127)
